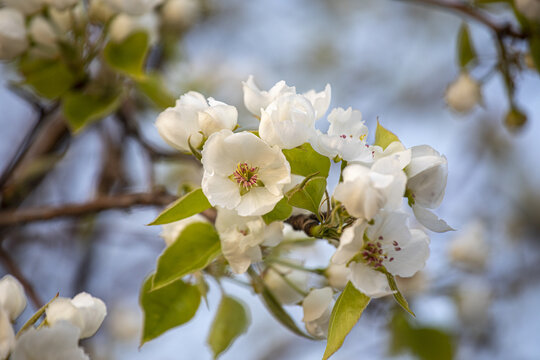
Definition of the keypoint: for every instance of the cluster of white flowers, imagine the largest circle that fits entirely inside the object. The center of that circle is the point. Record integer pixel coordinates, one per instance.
(246, 173)
(41, 25)
(66, 321)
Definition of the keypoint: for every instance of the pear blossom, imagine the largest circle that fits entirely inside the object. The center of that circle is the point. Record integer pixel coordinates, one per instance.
(42, 32)
(427, 173)
(279, 279)
(27, 7)
(346, 137)
(529, 8)
(13, 40)
(288, 122)
(395, 149)
(241, 237)
(193, 119)
(364, 191)
(12, 297)
(170, 232)
(319, 100)
(84, 311)
(243, 173)
(255, 100)
(100, 11)
(387, 244)
(123, 25)
(124, 322)
(463, 94)
(57, 342)
(337, 275)
(469, 247)
(7, 335)
(133, 7)
(474, 298)
(180, 13)
(317, 308)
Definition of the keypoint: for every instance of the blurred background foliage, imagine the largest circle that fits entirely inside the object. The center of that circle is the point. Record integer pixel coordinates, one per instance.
(77, 128)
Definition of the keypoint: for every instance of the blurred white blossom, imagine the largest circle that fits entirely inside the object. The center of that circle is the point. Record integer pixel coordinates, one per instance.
(469, 247)
(317, 308)
(170, 232)
(13, 40)
(12, 297)
(286, 284)
(464, 93)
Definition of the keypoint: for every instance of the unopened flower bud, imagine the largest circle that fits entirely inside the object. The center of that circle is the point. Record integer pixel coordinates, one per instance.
(12, 298)
(515, 119)
(464, 93)
(529, 8)
(12, 34)
(180, 13)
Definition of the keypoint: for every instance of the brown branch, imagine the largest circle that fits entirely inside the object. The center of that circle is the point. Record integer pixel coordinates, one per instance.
(121, 201)
(504, 29)
(12, 268)
(303, 223)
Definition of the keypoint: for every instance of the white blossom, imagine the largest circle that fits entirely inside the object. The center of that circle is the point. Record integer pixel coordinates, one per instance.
(279, 279)
(317, 308)
(364, 191)
(124, 322)
(337, 275)
(320, 100)
(100, 11)
(193, 118)
(474, 298)
(61, 4)
(346, 137)
(171, 232)
(388, 243)
(464, 93)
(288, 122)
(394, 149)
(241, 237)
(57, 342)
(529, 8)
(180, 13)
(26, 7)
(255, 100)
(13, 40)
(123, 25)
(42, 32)
(244, 173)
(7, 335)
(134, 7)
(84, 311)
(12, 297)
(469, 247)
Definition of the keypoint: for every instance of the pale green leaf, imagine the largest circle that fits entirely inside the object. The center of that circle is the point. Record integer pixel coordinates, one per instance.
(384, 137)
(35, 317)
(345, 314)
(153, 87)
(231, 321)
(81, 109)
(190, 204)
(49, 78)
(128, 56)
(167, 307)
(305, 161)
(196, 247)
(397, 294)
(465, 49)
(427, 343)
(281, 211)
(308, 195)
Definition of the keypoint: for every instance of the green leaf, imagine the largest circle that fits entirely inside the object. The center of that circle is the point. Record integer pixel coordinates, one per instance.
(400, 299)
(152, 86)
(196, 247)
(81, 109)
(308, 195)
(534, 46)
(426, 343)
(465, 49)
(281, 211)
(49, 78)
(515, 119)
(345, 314)
(167, 307)
(306, 161)
(129, 55)
(231, 321)
(190, 204)
(384, 137)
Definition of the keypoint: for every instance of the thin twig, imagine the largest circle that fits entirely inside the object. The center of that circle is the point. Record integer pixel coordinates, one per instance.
(121, 201)
(504, 29)
(12, 268)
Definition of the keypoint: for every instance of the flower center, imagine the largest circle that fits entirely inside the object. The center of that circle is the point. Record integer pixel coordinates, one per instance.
(372, 253)
(246, 177)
